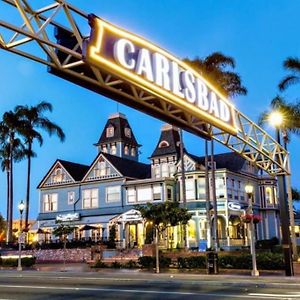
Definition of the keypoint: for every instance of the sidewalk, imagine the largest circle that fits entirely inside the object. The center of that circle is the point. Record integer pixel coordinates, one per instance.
(85, 268)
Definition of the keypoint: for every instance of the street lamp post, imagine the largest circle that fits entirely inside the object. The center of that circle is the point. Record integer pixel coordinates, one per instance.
(21, 207)
(249, 192)
(276, 119)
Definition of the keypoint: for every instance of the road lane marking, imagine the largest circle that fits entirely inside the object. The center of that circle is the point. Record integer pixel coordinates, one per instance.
(152, 279)
(249, 296)
(283, 296)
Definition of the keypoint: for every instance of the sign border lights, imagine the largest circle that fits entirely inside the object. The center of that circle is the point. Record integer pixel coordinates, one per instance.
(153, 69)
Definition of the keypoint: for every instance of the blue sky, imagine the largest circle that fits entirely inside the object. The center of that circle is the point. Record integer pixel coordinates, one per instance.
(258, 34)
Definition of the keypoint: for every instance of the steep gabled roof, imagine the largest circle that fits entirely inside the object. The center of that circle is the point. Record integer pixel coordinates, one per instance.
(170, 135)
(119, 123)
(231, 161)
(76, 171)
(129, 168)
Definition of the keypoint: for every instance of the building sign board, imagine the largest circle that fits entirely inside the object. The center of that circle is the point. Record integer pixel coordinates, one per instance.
(234, 206)
(68, 217)
(153, 69)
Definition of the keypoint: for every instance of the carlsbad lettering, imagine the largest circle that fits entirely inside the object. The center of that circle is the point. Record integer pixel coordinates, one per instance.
(150, 67)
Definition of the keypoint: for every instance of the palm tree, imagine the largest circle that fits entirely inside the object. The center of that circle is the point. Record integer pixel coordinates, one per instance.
(290, 125)
(215, 68)
(18, 155)
(291, 117)
(9, 127)
(33, 119)
(291, 64)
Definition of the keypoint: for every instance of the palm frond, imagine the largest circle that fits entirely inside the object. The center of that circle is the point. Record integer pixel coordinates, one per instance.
(288, 81)
(292, 64)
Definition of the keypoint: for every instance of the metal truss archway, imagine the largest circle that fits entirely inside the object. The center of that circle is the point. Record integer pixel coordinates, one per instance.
(52, 32)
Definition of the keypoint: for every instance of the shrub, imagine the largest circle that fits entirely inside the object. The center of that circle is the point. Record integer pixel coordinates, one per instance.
(99, 264)
(10, 262)
(116, 265)
(146, 262)
(13, 262)
(28, 261)
(131, 264)
(227, 261)
(270, 261)
(164, 262)
(192, 262)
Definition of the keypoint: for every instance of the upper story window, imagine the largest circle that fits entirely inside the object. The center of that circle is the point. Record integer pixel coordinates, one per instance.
(156, 192)
(269, 195)
(157, 171)
(101, 169)
(127, 132)
(110, 131)
(113, 149)
(131, 195)
(164, 170)
(71, 198)
(58, 175)
(113, 193)
(126, 150)
(133, 151)
(163, 144)
(90, 198)
(190, 189)
(104, 149)
(144, 194)
(50, 202)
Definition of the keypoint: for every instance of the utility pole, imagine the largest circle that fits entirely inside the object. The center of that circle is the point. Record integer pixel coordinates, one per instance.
(214, 197)
(183, 193)
(207, 198)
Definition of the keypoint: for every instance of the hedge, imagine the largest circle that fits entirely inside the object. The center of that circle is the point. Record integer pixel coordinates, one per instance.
(13, 262)
(265, 261)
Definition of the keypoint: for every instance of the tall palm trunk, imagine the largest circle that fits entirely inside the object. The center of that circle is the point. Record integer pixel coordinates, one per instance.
(28, 184)
(10, 195)
(7, 200)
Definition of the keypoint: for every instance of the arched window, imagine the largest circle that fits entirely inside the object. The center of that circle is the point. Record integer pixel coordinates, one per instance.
(58, 175)
(163, 144)
(269, 195)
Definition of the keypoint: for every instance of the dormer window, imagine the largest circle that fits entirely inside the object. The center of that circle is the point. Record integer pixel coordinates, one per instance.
(104, 149)
(113, 150)
(110, 131)
(126, 150)
(132, 151)
(127, 132)
(163, 144)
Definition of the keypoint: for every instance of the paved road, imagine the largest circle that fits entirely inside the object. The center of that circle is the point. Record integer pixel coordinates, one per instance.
(135, 285)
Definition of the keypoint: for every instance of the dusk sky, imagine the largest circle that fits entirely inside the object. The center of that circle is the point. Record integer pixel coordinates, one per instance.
(259, 35)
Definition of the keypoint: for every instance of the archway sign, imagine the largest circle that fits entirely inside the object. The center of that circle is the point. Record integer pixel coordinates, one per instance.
(131, 70)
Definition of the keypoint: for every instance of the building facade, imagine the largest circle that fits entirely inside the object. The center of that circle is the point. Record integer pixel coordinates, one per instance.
(106, 192)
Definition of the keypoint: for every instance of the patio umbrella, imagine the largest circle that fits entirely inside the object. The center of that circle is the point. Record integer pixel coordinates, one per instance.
(88, 227)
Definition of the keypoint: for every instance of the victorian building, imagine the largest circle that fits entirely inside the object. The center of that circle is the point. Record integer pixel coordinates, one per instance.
(106, 192)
